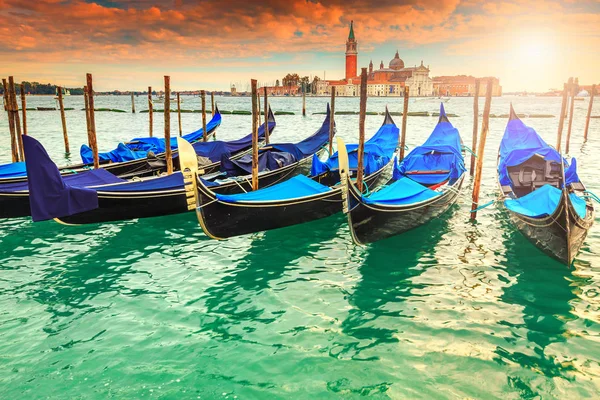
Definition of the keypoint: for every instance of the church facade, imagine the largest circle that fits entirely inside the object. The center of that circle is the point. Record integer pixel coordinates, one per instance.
(383, 82)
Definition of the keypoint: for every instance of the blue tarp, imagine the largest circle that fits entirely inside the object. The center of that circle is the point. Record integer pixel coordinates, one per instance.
(168, 182)
(543, 202)
(379, 150)
(520, 143)
(298, 186)
(139, 147)
(84, 179)
(278, 155)
(49, 196)
(440, 152)
(13, 170)
(403, 191)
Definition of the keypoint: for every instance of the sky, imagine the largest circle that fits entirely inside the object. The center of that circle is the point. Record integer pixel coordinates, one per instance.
(532, 45)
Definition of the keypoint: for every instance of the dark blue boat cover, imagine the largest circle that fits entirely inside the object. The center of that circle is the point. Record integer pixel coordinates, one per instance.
(296, 187)
(401, 192)
(520, 143)
(89, 178)
(49, 196)
(442, 151)
(13, 170)
(217, 150)
(278, 155)
(379, 150)
(139, 147)
(162, 183)
(543, 202)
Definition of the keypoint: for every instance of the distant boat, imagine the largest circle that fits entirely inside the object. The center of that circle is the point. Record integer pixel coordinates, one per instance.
(66, 92)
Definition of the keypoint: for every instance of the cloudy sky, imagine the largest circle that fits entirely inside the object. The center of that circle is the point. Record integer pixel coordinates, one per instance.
(528, 44)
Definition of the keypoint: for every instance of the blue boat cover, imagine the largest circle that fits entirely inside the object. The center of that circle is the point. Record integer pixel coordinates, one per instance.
(84, 179)
(49, 196)
(440, 152)
(13, 170)
(520, 143)
(379, 150)
(139, 147)
(167, 182)
(401, 192)
(543, 202)
(298, 186)
(279, 155)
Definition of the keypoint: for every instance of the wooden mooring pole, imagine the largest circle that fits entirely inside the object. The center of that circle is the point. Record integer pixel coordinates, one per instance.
(63, 120)
(303, 101)
(361, 129)
(481, 150)
(404, 120)
(212, 103)
(258, 103)
(16, 118)
(11, 122)
(255, 112)
(150, 111)
(86, 101)
(475, 123)
(332, 121)
(92, 114)
(168, 152)
(179, 113)
(132, 104)
(561, 119)
(571, 109)
(266, 118)
(204, 133)
(24, 108)
(589, 114)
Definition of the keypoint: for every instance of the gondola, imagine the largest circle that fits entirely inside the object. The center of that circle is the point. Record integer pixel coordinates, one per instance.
(14, 197)
(129, 159)
(294, 201)
(50, 195)
(542, 193)
(277, 162)
(423, 186)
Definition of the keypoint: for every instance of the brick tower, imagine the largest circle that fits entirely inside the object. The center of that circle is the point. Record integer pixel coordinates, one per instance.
(351, 54)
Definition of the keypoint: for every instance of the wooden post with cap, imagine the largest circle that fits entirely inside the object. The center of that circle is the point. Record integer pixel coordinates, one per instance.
(132, 104)
(361, 129)
(571, 109)
(150, 111)
(168, 153)
(24, 108)
(204, 133)
(179, 113)
(589, 114)
(87, 116)
(11, 122)
(266, 118)
(258, 104)
(331, 121)
(63, 119)
(561, 119)
(212, 103)
(404, 120)
(255, 112)
(16, 118)
(475, 123)
(481, 150)
(303, 100)
(92, 114)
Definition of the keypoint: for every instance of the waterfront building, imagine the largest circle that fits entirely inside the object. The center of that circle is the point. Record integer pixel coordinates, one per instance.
(384, 81)
(463, 85)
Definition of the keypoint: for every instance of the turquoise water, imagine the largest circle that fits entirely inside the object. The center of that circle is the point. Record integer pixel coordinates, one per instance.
(152, 308)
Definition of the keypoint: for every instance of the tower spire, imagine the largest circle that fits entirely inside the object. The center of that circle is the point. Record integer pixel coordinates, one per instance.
(351, 34)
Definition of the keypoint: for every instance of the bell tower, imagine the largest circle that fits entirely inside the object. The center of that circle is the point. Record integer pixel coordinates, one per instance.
(351, 54)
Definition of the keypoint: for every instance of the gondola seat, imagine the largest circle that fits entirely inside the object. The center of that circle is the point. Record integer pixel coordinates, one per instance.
(543, 202)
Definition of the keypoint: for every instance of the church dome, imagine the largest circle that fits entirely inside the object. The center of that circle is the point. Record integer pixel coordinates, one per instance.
(396, 62)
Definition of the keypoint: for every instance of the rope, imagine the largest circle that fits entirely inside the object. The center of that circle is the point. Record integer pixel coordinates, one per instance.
(469, 150)
(241, 187)
(483, 206)
(590, 195)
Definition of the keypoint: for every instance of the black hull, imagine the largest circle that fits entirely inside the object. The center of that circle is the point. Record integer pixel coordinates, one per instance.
(221, 220)
(120, 206)
(373, 222)
(559, 235)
